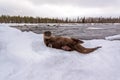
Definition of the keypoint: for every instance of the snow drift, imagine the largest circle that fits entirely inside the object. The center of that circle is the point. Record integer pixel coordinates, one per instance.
(23, 56)
(115, 37)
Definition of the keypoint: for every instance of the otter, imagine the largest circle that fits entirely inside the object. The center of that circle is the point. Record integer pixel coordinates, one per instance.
(67, 44)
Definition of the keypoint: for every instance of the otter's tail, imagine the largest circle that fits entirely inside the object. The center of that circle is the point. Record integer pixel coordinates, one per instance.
(84, 50)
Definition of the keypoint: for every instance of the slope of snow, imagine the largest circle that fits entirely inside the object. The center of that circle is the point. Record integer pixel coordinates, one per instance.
(23, 56)
(115, 37)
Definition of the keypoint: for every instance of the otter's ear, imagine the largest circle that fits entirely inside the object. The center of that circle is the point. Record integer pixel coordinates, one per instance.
(77, 40)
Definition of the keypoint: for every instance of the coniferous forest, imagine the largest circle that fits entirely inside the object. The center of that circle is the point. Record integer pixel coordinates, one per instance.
(30, 19)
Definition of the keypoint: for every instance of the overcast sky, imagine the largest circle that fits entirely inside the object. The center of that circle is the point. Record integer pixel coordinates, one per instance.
(61, 8)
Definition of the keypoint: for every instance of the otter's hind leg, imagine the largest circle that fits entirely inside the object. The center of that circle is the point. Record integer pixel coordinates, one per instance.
(66, 48)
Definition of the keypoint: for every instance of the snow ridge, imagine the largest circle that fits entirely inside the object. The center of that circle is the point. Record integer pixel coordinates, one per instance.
(23, 56)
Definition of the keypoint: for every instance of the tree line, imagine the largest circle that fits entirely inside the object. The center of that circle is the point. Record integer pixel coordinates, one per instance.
(29, 19)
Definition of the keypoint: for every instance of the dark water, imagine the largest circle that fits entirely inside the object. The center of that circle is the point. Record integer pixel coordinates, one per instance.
(80, 31)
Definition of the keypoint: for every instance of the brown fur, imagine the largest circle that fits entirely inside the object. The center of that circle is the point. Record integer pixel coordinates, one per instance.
(68, 44)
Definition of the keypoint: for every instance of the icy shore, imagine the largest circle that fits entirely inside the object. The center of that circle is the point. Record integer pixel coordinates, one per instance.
(23, 56)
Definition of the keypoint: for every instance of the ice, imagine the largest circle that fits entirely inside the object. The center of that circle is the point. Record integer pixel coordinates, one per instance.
(94, 28)
(23, 56)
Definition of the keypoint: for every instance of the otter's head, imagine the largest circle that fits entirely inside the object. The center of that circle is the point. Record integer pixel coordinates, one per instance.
(47, 34)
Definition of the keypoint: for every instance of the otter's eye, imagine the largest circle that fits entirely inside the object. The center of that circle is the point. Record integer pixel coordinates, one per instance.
(47, 34)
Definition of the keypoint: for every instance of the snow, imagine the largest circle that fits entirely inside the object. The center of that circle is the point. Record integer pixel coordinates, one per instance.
(23, 56)
(115, 37)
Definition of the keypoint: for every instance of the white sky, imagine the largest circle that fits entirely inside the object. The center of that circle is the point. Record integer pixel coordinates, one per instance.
(61, 8)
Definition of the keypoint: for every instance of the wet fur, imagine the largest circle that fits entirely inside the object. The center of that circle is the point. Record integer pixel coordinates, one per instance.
(68, 44)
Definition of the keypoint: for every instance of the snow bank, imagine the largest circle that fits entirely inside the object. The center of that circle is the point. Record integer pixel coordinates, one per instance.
(23, 56)
(115, 37)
